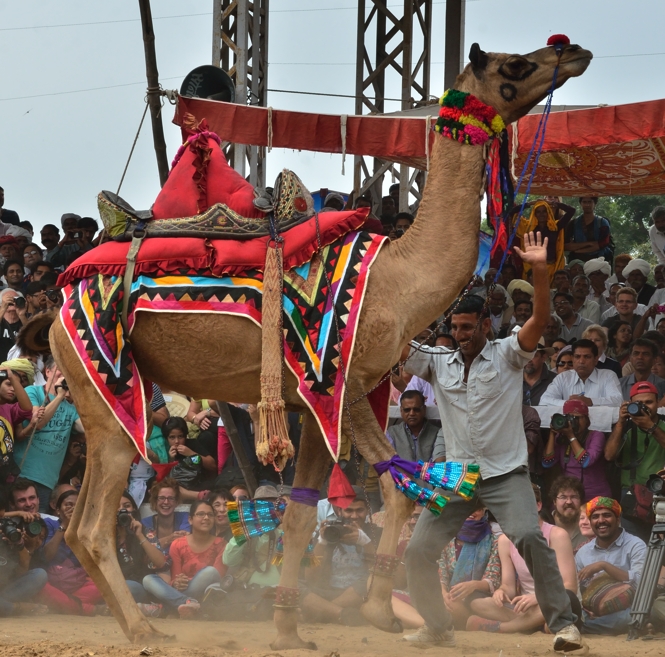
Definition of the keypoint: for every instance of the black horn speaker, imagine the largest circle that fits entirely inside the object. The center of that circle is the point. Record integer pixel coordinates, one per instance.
(209, 82)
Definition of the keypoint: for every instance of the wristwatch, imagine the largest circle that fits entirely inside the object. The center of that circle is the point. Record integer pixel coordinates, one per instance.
(652, 429)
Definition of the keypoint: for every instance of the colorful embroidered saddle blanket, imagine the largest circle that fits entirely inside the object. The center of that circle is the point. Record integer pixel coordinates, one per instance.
(92, 310)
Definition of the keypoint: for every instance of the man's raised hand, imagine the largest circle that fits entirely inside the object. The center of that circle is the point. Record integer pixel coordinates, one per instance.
(535, 249)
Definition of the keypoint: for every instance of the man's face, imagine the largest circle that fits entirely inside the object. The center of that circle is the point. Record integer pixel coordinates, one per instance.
(658, 222)
(509, 274)
(26, 500)
(447, 341)
(561, 282)
(489, 277)
(619, 266)
(605, 524)
(587, 204)
(497, 301)
(413, 412)
(70, 224)
(563, 307)
(636, 279)
(355, 513)
(89, 233)
(551, 330)
(8, 251)
(649, 400)
(470, 337)
(567, 505)
(39, 272)
(584, 362)
(641, 358)
(402, 224)
(581, 288)
(625, 304)
(522, 313)
(388, 206)
(535, 363)
(31, 255)
(37, 301)
(659, 275)
(598, 279)
(50, 237)
(14, 275)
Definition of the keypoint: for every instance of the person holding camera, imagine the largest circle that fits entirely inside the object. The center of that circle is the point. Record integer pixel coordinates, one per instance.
(73, 244)
(637, 444)
(12, 319)
(579, 451)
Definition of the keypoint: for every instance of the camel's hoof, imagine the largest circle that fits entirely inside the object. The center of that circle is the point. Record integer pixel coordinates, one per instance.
(292, 643)
(382, 617)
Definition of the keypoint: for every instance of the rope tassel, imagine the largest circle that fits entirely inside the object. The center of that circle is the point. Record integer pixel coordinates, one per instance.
(249, 518)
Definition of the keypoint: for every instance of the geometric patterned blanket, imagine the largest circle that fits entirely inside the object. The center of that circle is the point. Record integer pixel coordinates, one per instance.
(93, 307)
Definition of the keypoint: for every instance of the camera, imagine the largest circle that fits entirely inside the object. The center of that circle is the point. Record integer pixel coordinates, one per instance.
(637, 409)
(656, 484)
(64, 385)
(399, 232)
(54, 296)
(661, 309)
(124, 518)
(13, 529)
(560, 421)
(20, 302)
(334, 531)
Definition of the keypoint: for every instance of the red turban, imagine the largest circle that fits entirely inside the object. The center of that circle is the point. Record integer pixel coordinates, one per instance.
(643, 386)
(603, 503)
(575, 406)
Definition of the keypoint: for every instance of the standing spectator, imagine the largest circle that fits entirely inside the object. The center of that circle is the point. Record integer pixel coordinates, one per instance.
(72, 245)
(588, 235)
(592, 386)
(403, 221)
(581, 303)
(11, 320)
(619, 338)
(578, 451)
(620, 262)
(573, 324)
(598, 270)
(659, 276)
(639, 454)
(43, 459)
(656, 233)
(609, 569)
(597, 335)
(7, 216)
(35, 296)
(38, 269)
(413, 438)
(89, 227)
(636, 272)
(50, 237)
(642, 356)
(536, 375)
(567, 494)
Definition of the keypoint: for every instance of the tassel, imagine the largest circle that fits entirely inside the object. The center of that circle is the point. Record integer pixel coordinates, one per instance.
(459, 478)
(422, 496)
(309, 559)
(250, 518)
(340, 491)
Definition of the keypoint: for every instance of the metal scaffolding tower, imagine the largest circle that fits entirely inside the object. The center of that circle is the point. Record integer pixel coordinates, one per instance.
(402, 49)
(240, 47)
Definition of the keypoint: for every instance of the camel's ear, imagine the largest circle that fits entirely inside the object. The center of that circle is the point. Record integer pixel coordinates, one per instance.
(477, 57)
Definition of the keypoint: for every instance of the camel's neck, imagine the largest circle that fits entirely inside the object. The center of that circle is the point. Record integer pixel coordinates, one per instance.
(428, 267)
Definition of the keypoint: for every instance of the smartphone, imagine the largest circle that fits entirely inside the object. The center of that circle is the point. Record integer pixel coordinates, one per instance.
(77, 235)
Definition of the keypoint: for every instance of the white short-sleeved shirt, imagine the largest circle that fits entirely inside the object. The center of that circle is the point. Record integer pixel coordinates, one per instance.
(482, 417)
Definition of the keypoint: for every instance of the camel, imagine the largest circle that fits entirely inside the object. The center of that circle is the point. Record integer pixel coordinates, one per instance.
(412, 281)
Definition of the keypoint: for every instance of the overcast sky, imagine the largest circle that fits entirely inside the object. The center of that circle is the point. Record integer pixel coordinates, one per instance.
(61, 145)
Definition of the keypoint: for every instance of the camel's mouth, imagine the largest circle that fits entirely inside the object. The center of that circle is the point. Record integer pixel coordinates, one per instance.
(576, 61)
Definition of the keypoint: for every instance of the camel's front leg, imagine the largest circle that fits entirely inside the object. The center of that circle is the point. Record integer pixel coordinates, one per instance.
(299, 523)
(373, 445)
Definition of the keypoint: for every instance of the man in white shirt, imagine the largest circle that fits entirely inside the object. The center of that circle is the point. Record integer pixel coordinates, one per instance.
(657, 233)
(581, 303)
(612, 298)
(598, 270)
(620, 261)
(584, 382)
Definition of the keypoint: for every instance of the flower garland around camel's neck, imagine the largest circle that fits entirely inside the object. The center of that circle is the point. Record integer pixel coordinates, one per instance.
(466, 119)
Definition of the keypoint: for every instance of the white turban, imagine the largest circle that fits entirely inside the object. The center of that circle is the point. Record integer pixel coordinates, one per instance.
(520, 284)
(597, 264)
(17, 231)
(639, 265)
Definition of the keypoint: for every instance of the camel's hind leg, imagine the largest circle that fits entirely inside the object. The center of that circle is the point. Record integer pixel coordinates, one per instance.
(374, 446)
(299, 523)
(91, 533)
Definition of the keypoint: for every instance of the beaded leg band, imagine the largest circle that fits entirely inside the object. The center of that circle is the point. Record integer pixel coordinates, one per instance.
(306, 496)
(286, 598)
(386, 564)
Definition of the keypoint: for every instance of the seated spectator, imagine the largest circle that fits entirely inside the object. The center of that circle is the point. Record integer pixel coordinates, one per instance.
(166, 524)
(500, 312)
(637, 272)
(53, 499)
(48, 444)
(626, 305)
(536, 375)
(414, 437)
(658, 368)
(73, 467)
(592, 386)
(509, 274)
(35, 297)
(576, 268)
(585, 527)
(534, 443)
(219, 499)
(619, 338)
(137, 556)
(11, 320)
(620, 262)
(20, 582)
(552, 331)
(31, 254)
(196, 564)
(573, 324)
(578, 451)
(557, 346)
(8, 250)
(609, 568)
(582, 305)
(597, 335)
(38, 269)
(13, 274)
(642, 356)
(15, 406)
(567, 494)
(639, 454)
(23, 501)
(513, 606)
(69, 589)
(564, 361)
(519, 290)
(488, 279)
(239, 493)
(470, 568)
(561, 281)
(598, 270)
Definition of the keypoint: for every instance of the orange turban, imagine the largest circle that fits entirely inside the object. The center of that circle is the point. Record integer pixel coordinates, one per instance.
(603, 503)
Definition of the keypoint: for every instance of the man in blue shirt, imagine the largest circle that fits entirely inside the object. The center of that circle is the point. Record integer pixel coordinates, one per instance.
(40, 457)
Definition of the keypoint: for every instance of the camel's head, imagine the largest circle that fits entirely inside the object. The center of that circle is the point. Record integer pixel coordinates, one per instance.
(513, 84)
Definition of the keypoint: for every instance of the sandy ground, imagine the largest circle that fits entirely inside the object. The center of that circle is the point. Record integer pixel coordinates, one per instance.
(70, 636)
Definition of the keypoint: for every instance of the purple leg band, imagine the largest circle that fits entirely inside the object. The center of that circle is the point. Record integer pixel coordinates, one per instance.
(306, 496)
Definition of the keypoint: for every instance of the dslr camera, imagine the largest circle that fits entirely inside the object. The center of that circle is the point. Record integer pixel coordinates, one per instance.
(124, 518)
(13, 528)
(560, 422)
(335, 530)
(637, 409)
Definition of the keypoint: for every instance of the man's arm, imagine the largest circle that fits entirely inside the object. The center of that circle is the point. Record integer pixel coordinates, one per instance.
(535, 254)
(612, 390)
(553, 396)
(615, 441)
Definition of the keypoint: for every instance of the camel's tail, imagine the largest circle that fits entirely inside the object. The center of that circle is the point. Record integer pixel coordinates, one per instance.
(32, 339)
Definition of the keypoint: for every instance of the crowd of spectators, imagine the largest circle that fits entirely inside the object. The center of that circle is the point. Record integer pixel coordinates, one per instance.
(590, 456)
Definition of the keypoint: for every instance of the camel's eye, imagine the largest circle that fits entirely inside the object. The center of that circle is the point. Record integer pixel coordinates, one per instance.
(517, 68)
